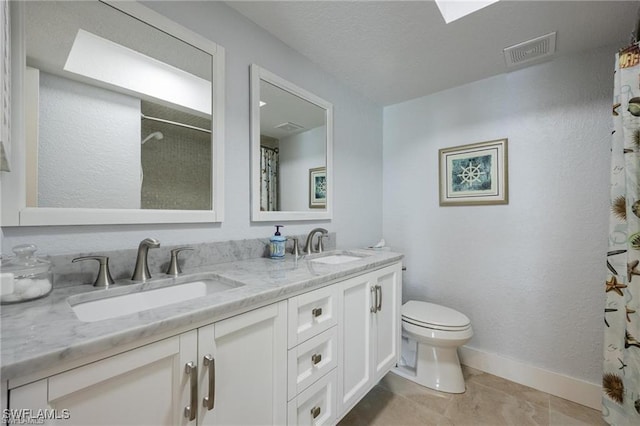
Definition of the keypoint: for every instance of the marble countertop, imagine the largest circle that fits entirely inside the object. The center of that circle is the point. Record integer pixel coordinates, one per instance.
(42, 333)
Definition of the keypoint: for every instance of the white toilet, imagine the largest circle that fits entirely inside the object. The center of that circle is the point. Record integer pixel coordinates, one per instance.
(431, 335)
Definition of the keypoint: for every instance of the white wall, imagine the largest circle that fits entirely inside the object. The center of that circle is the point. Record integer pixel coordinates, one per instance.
(529, 274)
(298, 154)
(357, 148)
(90, 132)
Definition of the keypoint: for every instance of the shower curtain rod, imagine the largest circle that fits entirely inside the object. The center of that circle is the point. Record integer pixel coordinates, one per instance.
(175, 123)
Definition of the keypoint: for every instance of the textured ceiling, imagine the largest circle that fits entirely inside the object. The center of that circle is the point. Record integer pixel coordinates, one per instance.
(392, 51)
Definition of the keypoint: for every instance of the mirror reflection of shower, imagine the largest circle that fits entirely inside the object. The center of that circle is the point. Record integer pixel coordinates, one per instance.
(156, 136)
(175, 153)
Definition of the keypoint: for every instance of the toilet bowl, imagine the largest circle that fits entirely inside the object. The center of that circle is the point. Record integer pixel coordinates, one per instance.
(431, 335)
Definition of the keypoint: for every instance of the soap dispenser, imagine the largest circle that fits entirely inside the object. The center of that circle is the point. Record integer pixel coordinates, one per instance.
(277, 244)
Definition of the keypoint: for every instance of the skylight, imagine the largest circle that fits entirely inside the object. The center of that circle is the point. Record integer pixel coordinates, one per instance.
(137, 74)
(452, 10)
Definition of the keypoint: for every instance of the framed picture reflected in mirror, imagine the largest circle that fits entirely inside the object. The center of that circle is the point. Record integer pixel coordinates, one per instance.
(317, 187)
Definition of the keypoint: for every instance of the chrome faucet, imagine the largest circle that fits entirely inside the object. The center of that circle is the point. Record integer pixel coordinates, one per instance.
(308, 245)
(141, 271)
(174, 266)
(104, 278)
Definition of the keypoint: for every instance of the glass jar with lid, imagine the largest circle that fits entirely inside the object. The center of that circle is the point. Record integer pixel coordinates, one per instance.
(25, 276)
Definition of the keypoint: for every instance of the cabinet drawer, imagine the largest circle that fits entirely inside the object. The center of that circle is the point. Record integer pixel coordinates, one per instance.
(312, 313)
(316, 405)
(311, 360)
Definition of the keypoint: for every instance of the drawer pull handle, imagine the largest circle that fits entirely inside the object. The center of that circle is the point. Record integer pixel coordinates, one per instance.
(316, 312)
(316, 358)
(315, 412)
(379, 298)
(192, 371)
(374, 296)
(208, 400)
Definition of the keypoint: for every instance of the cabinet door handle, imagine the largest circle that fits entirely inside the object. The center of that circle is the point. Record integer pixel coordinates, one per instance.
(315, 411)
(316, 358)
(190, 410)
(374, 296)
(316, 312)
(208, 400)
(379, 298)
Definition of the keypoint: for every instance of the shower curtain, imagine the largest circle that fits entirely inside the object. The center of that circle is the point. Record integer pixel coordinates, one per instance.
(621, 375)
(269, 164)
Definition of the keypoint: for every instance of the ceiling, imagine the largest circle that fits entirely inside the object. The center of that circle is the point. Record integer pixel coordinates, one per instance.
(281, 107)
(392, 51)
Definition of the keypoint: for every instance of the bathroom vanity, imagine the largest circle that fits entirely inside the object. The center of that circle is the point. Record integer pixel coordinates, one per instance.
(285, 342)
(243, 340)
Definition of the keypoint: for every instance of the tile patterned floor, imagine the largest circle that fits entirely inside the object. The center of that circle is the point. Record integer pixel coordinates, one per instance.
(489, 400)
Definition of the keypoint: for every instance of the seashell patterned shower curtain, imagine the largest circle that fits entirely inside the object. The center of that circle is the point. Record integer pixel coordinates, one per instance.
(621, 376)
(269, 179)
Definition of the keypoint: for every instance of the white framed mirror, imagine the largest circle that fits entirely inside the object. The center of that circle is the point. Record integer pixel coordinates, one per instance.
(291, 151)
(118, 118)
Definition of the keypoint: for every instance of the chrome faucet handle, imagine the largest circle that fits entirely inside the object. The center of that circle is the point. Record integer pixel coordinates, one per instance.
(320, 243)
(141, 270)
(296, 248)
(174, 266)
(104, 278)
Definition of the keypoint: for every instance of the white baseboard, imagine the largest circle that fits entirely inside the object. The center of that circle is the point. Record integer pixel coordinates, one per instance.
(579, 391)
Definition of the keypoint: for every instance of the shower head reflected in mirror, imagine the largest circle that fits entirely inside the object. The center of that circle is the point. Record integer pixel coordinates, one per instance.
(154, 135)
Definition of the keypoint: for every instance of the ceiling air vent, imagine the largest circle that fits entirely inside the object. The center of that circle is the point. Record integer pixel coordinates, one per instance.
(289, 127)
(532, 50)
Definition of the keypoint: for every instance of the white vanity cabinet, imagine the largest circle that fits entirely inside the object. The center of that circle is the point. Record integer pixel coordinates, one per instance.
(312, 358)
(247, 379)
(368, 332)
(144, 386)
(302, 361)
(343, 339)
(244, 373)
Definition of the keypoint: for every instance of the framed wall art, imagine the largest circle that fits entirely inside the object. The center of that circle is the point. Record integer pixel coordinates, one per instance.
(474, 174)
(318, 188)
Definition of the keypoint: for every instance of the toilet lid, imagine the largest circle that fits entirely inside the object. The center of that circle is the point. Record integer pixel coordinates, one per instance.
(434, 316)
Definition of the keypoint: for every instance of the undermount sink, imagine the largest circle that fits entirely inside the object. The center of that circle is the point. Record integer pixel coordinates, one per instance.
(112, 305)
(337, 259)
